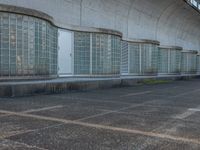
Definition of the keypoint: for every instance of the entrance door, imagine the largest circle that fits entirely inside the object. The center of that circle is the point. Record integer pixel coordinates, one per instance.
(65, 43)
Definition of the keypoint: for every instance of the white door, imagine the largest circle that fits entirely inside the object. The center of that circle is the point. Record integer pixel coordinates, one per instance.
(65, 43)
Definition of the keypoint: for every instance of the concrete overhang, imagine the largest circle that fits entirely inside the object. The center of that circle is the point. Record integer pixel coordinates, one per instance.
(144, 41)
(190, 51)
(25, 11)
(92, 30)
(171, 47)
(172, 22)
(44, 16)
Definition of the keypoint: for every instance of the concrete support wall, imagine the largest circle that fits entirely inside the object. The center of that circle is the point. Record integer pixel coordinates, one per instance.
(172, 22)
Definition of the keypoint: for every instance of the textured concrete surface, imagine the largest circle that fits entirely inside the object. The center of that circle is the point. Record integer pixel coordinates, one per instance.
(143, 117)
(172, 22)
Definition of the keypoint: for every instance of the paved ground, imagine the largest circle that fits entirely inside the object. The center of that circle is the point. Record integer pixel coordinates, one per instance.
(145, 117)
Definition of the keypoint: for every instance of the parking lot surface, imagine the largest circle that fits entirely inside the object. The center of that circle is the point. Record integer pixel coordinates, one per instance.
(143, 117)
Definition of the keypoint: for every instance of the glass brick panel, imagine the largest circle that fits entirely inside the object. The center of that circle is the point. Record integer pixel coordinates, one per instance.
(81, 53)
(134, 58)
(27, 45)
(96, 54)
(198, 64)
(124, 58)
(106, 54)
(149, 59)
(163, 60)
(189, 62)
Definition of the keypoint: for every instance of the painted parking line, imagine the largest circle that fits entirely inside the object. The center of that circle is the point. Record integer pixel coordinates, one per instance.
(92, 100)
(166, 88)
(21, 144)
(110, 112)
(184, 115)
(43, 109)
(188, 113)
(136, 94)
(177, 95)
(36, 110)
(195, 109)
(5, 136)
(98, 126)
(106, 112)
(185, 93)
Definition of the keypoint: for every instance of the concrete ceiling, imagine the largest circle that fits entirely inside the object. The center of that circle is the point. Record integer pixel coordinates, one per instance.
(172, 22)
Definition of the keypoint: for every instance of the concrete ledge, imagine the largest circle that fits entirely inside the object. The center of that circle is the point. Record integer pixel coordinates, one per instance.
(171, 47)
(64, 85)
(25, 11)
(144, 41)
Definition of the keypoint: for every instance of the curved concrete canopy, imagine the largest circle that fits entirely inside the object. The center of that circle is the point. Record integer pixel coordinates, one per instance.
(172, 22)
(171, 47)
(25, 11)
(144, 41)
(190, 51)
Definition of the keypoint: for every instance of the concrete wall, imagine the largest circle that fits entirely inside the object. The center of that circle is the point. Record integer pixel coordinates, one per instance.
(172, 22)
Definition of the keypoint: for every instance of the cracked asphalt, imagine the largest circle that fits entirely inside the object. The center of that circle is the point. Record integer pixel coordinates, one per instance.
(143, 117)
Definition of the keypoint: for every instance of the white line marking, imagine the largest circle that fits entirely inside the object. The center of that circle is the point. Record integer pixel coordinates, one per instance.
(43, 109)
(98, 126)
(194, 109)
(185, 93)
(184, 115)
(28, 146)
(92, 100)
(188, 113)
(136, 94)
(115, 111)
(168, 88)
(109, 112)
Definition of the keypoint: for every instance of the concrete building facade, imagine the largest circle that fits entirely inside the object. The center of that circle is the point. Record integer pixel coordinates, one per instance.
(83, 37)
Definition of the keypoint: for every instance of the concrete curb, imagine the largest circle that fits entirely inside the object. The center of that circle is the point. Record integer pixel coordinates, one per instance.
(20, 89)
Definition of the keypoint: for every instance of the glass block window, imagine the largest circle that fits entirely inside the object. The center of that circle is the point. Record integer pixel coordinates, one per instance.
(115, 55)
(198, 64)
(101, 54)
(96, 54)
(154, 58)
(172, 63)
(184, 63)
(81, 53)
(193, 63)
(106, 54)
(163, 60)
(134, 58)
(124, 58)
(149, 59)
(189, 63)
(28, 46)
(139, 58)
(178, 62)
(169, 61)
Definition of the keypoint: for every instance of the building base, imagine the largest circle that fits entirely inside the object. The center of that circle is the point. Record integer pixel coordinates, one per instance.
(64, 85)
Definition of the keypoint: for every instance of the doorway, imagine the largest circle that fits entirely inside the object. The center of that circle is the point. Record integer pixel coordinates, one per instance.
(65, 43)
